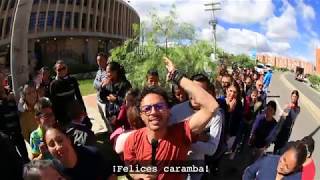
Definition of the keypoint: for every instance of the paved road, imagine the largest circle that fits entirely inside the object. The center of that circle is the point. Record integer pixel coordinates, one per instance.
(306, 122)
(303, 87)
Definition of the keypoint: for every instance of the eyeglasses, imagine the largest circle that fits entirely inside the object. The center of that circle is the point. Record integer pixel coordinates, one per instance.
(158, 107)
(61, 69)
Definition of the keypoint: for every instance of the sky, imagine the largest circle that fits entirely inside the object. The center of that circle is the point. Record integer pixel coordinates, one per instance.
(279, 27)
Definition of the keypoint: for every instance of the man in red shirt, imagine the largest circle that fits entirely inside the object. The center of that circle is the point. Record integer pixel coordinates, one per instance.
(172, 142)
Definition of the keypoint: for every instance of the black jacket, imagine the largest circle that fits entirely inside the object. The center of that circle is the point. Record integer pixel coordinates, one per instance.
(64, 91)
(118, 89)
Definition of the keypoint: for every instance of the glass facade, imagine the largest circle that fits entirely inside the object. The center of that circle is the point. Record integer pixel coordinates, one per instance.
(59, 19)
(50, 20)
(33, 20)
(41, 21)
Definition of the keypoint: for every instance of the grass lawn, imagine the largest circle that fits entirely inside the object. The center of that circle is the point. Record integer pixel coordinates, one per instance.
(86, 87)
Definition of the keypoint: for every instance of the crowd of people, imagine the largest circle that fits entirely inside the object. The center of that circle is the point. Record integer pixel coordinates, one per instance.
(155, 131)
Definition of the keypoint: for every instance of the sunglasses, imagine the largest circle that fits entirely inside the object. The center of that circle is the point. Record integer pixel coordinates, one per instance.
(158, 107)
(61, 69)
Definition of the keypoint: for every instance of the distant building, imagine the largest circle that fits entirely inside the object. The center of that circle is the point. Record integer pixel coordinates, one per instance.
(72, 30)
(318, 61)
(286, 62)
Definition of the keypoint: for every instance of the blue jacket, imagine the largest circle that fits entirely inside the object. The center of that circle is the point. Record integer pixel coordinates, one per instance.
(266, 169)
(267, 78)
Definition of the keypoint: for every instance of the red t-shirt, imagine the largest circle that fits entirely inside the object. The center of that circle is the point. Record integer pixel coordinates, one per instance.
(171, 149)
(309, 171)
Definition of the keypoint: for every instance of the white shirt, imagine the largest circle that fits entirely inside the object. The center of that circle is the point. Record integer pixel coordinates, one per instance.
(180, 112)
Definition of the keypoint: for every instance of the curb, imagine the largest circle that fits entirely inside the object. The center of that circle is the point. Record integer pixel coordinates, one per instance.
(310, 106)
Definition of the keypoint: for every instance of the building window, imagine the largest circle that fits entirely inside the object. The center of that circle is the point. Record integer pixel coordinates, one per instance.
(1, 25)
(5, 4)
(76, 20)
(91, 21)
(50, 19)
(98, 24)
(32, 23)
(85, 3)
(103, 25)
(78, 2)
(12, 3)
(68, 20)
(44, 2)
(99, 4)
(92, 3)
(84, 20)
(8, 24)
(53, 1)
(41, 20)
(59, 19)
(70, 1)
(62, 1)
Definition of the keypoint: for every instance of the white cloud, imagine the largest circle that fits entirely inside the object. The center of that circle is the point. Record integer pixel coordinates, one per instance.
(283, 27)
(307, 11)
(308, 15)
(243, 41)
(245, 11)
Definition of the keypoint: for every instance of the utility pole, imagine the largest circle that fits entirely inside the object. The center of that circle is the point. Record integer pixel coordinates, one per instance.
(214, 6)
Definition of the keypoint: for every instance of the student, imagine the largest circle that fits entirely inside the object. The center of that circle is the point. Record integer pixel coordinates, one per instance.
(208, 141)
(152, 78)
(41, 170)
(64, 90)
(76, 162)
(287, 121)
(114, 91)
(130, 100)
(171, 143)
(135, 124)
(45, 81)
(262, 128)
(178, 95)
(11, 162)
(10, 122)
(309, 168)
(286, 167)
(45, 118)
(28, 99)
(79, 130)
(100, 81)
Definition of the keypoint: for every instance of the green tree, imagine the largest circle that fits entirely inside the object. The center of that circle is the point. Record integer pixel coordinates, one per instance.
(163, 27)
(185, 32)
(243, 60)
(137, 59)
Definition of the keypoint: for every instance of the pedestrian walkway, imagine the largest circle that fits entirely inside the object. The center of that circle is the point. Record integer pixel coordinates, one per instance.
(98, 126)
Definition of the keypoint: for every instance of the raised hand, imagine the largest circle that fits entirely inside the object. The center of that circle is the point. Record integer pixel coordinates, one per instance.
(169, 65)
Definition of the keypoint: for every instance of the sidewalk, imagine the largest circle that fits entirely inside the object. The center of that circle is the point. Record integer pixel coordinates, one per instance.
(98, 124)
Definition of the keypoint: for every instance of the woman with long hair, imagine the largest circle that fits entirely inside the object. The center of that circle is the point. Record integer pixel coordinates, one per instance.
(76, 162)
(28, 99)
(287, 120)
(114, 90)
(287, 166)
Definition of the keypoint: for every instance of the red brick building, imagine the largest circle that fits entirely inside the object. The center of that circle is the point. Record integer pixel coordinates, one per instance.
(290, 63)
(318, 61)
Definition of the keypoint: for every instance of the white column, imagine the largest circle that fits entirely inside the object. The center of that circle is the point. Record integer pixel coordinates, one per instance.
(19, 45)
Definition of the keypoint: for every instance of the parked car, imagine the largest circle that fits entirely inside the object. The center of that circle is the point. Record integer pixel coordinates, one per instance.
(260, 68)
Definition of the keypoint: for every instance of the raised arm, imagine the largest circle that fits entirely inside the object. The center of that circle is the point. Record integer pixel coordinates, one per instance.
(208, 105)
